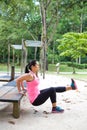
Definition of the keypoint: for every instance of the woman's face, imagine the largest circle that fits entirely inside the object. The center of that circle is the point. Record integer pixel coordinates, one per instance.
(36, 67)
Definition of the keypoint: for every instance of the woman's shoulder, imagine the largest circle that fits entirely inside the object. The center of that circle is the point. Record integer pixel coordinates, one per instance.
(26, 76)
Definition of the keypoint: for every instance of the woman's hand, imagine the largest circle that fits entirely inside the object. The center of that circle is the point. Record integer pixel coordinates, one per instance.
(23, 92)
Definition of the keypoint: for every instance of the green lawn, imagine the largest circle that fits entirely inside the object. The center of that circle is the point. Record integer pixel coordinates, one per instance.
(65, 68)
(4, 68)
(82, 77)
(52, 70)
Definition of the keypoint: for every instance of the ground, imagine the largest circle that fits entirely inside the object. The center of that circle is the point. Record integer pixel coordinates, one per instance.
(31, 118)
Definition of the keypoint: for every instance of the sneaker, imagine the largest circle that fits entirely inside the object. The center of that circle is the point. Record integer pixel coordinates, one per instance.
(57, 110)
(73, 84)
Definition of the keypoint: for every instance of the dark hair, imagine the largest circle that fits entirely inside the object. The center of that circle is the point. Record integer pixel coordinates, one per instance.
(28, 66)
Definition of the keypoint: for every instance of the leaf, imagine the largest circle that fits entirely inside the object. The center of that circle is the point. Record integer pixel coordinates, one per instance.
(11, 122)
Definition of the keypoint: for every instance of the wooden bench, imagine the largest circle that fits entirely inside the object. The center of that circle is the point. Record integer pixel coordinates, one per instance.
(10, 93)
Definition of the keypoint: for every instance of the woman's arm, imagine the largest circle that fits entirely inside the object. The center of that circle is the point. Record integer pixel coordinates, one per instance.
(22, 85)
(19, 81)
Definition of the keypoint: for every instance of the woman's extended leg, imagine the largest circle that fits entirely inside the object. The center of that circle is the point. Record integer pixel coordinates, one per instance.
(51, 92)
(73, 86)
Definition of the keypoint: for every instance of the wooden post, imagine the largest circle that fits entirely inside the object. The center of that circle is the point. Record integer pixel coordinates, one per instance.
(8, 58)
(12, 72)
(16, 109)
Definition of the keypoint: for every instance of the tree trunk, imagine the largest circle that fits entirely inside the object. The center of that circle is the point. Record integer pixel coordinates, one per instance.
(24, 57)
(43, 38)
(73, 68)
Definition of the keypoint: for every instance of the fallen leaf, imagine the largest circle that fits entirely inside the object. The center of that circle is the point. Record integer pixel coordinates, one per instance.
(35, 111)
(11, 122)
(45, 112)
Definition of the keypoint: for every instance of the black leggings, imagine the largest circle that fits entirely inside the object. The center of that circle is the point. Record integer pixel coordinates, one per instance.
(46, 93)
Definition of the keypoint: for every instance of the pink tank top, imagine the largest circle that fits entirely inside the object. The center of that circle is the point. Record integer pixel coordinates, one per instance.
(32, 88)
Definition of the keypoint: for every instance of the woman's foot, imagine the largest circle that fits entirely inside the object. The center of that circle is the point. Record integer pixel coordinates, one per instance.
(57, 109)
(73, 84)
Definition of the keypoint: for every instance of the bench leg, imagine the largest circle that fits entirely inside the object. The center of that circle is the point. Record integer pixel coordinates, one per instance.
(16, 109)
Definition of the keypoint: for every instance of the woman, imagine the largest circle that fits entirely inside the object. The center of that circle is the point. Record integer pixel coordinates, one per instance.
(36, 96)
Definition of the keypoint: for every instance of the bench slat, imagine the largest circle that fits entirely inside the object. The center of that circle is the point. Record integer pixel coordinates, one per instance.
(5, 89)
(11, 96)
(11, 83)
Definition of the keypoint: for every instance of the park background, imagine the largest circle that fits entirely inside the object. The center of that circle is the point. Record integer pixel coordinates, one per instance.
(61, 26)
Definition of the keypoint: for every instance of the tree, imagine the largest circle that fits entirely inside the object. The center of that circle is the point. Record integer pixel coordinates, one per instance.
(73, 45)
(16, 20)
(24, 19)
(49, 19)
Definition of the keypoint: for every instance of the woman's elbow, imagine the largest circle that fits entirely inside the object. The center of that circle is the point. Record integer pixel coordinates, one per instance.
(17, 81)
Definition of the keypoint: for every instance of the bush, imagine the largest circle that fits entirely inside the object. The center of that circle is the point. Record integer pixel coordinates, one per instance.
(52, 67)
(76, 65)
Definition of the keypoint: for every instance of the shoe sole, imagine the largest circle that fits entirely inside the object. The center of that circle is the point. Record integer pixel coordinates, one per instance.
(57, 111)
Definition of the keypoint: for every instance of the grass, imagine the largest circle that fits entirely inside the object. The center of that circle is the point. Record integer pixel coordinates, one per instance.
(82, 77)
(64, 68)
(4, 68)
(80, 73)
(52, 70)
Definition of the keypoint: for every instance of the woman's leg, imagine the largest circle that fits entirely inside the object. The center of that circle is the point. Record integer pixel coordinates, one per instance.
(44, 95)
(73, 86)
(62, 89)
(51, 92)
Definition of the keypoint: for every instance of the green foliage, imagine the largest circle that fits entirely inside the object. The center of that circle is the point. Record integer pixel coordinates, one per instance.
(73, 45)
(76, 65)
(18, 19)
(22, 19)
(52, 67)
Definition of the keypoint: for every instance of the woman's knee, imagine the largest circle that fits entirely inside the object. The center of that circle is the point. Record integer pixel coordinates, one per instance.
(52, 89)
